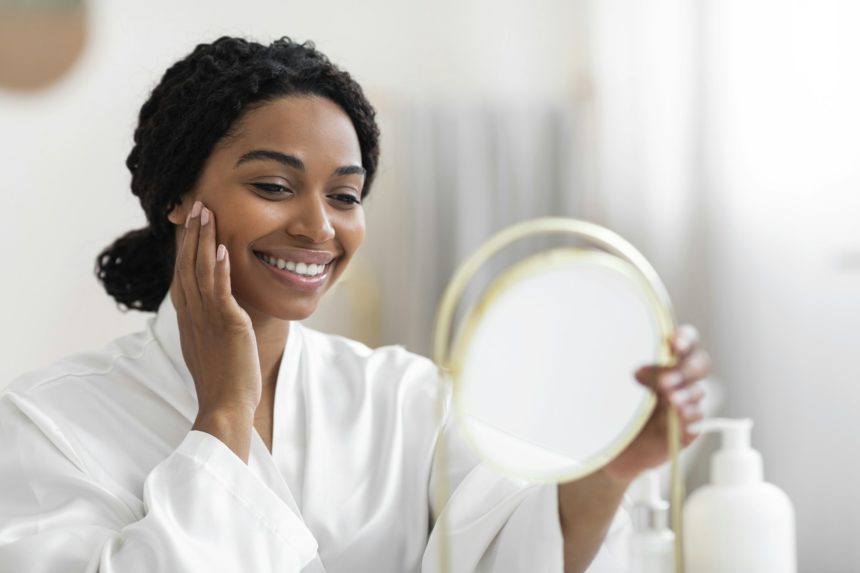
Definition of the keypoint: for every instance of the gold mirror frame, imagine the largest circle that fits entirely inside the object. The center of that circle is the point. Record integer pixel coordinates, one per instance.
(448, 357)
(509, 278)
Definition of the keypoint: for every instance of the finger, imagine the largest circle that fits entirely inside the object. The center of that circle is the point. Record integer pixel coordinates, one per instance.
(668, 379)
(690, 414)
(686, 396)
(646, 373)
(656, 376)
(176, 292)
(187, 259)
(692, 369)
(222, 287)
(205, 267)
(695, 367)
(688, 439)
(686, 340)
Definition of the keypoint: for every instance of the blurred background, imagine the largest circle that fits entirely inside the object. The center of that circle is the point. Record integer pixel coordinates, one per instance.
(721, 138)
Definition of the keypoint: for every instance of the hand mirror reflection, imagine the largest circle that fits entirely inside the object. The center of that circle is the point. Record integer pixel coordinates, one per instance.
(542, 364)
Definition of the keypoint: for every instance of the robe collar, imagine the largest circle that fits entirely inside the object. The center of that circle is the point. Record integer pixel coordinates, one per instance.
(165, 330)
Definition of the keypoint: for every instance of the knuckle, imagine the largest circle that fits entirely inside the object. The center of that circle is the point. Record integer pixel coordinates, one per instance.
(697, 393)
(202, 271)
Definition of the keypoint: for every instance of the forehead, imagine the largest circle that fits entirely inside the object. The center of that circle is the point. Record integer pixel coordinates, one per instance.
(312, 128)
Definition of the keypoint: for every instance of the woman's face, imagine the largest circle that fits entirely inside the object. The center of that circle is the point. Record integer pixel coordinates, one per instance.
(285, 189)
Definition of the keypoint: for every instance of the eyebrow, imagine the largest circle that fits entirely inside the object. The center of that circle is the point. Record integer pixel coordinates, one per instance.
(295, 162)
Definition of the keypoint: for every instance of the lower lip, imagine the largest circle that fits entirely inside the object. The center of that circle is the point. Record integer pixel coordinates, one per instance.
(298, 282)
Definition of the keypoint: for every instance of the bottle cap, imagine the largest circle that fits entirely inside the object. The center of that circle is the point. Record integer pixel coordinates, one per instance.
(650, 512)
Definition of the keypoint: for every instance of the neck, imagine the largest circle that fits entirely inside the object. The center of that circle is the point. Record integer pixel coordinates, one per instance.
(271, 334)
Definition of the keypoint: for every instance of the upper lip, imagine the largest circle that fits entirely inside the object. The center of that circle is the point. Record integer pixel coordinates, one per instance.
(299, 255)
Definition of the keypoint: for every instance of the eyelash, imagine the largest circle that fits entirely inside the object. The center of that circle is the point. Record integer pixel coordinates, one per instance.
(271, 188)
(275, 189)
(349, 199)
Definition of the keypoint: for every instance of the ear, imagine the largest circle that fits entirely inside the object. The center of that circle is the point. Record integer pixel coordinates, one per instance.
(179, 213)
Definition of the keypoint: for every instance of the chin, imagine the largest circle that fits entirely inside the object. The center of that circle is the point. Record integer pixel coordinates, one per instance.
(287, 311)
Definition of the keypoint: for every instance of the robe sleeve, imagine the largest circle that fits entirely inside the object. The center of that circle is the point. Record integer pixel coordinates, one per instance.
(203, 510)
(501, 525)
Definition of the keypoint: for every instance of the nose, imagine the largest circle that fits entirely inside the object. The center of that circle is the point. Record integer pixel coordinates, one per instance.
(311, 220)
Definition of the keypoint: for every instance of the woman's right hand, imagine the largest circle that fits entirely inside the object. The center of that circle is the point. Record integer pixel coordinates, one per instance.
(216, 334)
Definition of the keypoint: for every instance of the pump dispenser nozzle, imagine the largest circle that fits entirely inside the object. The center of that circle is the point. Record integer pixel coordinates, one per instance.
(736, 462)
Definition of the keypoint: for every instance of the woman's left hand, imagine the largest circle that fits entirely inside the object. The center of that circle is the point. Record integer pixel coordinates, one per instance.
(676, 387)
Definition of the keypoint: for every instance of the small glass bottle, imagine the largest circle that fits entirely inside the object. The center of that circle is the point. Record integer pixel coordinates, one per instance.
(652, 546)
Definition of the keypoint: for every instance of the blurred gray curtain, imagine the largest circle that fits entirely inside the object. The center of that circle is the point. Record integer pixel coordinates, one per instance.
(453, 175)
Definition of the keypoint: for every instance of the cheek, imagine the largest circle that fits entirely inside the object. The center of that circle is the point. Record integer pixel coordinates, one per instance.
(352, 233)
(241, 223)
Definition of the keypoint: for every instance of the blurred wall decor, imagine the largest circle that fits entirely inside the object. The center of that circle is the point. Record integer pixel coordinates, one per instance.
(40, 41)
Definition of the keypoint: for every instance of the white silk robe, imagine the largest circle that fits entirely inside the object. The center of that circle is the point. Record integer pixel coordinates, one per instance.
(100, 471)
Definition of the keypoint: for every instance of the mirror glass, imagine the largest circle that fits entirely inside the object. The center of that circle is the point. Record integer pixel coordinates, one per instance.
(543, 364)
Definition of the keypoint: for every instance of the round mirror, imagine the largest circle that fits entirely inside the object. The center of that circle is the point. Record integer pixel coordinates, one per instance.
(543, 363)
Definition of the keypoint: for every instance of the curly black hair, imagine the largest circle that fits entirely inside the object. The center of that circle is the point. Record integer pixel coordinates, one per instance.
(196, 104)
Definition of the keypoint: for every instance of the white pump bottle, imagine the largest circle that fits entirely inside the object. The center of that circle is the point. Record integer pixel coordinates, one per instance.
(738, 523)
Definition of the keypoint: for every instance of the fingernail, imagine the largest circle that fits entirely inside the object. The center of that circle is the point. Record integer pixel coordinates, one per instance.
(221, 253)
(188, 220)
(195, 210)
(204, 216)
(670, 380)
(689, 411)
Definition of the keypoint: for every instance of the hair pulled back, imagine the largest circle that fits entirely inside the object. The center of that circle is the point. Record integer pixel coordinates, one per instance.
(196, 103)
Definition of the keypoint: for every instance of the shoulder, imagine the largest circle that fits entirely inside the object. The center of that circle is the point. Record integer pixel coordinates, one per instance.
(84, 367)
(75, 401)
(122, 358)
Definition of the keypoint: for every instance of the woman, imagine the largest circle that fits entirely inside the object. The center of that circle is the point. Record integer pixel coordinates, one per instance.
(227, 437)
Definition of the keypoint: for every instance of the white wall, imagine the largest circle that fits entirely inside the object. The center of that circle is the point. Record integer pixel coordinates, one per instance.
(782, 137)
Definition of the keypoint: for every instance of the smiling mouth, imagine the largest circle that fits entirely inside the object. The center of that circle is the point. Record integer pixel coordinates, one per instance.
(298, 268)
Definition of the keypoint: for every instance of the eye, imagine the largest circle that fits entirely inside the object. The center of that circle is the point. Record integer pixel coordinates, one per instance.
(346, 199)
(272, 188)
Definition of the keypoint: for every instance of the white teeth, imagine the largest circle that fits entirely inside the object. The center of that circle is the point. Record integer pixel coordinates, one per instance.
(304, 269)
